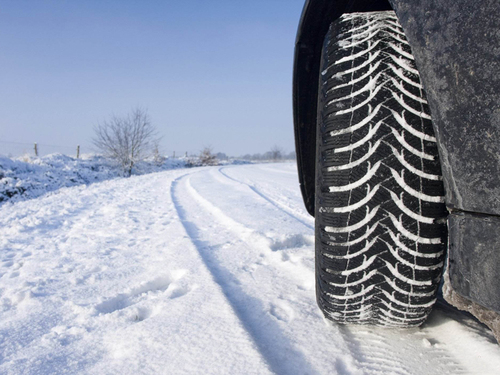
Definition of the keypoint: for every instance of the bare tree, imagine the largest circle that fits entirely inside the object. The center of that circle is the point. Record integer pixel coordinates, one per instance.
(126, 140)
(276, 153)
(207, 157)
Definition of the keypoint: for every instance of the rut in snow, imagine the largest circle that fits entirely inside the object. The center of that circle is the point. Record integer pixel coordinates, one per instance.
(267, 198)
(282, 359)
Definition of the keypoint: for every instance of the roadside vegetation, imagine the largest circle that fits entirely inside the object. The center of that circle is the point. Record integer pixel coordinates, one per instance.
(126, 145)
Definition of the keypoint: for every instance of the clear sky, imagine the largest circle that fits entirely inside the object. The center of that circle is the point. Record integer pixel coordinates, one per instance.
(209, 72)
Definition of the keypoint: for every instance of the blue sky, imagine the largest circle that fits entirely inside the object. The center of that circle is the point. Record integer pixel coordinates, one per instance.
(213, 72)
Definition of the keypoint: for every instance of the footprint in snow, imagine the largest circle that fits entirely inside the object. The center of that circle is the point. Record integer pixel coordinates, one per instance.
(163, 287)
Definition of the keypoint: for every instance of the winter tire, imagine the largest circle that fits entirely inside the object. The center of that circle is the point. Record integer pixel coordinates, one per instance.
(380, 228)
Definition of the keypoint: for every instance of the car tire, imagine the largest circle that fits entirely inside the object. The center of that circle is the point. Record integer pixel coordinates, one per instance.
(380, 216)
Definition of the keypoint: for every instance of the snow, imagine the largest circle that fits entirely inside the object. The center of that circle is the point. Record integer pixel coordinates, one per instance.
(186, 271)
(30, 177)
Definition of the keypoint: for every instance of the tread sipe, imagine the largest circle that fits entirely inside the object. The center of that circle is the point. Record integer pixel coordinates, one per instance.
(380, 233)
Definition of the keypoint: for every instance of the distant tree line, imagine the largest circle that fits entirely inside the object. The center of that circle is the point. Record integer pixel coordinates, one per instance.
(276, 153)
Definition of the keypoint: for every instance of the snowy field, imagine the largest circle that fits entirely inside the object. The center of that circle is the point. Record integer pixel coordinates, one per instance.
(193, 271)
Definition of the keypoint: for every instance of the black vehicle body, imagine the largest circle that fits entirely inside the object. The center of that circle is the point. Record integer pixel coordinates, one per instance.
(456, 45)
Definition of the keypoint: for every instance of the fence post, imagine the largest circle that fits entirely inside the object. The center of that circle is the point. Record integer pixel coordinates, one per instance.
(173, 156)
(186, 154)
(36, 149)
(78, 152)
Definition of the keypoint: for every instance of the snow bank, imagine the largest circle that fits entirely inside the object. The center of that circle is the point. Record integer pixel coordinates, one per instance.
(31, 177)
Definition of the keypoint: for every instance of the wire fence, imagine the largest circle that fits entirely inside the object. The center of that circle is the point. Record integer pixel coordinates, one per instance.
(16, 149)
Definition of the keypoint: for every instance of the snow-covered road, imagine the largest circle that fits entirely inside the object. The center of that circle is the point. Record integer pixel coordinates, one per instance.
(207, 270)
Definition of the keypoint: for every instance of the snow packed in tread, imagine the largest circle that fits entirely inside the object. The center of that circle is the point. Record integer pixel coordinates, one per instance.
(380, 250)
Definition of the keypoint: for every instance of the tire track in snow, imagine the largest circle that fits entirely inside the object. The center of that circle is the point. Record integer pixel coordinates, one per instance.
(272, 201)
(260, 242)
(264, 332)
(399, 351)
(292, 315)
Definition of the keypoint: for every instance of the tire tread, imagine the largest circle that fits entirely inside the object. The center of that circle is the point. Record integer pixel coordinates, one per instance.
(379, 241)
